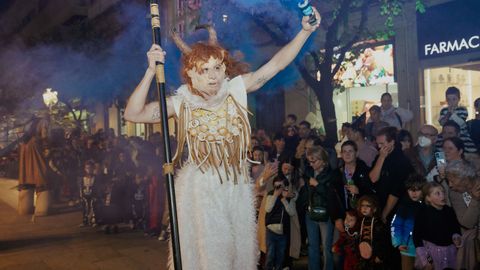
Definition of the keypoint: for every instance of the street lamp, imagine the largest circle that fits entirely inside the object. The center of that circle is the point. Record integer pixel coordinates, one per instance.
(50, 98)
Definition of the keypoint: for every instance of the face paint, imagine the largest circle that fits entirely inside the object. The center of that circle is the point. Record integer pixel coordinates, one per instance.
(208, 80)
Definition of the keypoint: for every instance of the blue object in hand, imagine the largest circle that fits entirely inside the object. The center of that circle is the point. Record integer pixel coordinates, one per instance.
(307, 10)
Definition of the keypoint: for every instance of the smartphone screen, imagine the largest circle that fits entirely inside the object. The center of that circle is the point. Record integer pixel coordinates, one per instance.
(440, 158)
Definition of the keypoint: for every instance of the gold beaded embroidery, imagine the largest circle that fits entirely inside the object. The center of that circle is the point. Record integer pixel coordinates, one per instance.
(216, 138)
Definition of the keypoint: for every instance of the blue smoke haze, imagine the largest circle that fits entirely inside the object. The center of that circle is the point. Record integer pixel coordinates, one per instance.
(241, 33)
(115, 72)
(102, 75)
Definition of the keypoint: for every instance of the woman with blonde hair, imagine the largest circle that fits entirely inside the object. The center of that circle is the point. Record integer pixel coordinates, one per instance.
(318, 178)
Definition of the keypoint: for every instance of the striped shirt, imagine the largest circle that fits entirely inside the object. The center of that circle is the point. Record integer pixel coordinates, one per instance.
(459, 116)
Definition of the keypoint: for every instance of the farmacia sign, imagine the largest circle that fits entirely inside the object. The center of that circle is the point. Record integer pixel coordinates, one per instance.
(450, 28)
(450, 46)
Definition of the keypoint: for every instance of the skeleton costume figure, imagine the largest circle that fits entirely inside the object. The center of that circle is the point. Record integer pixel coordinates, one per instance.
(215, 196)
(88, 195)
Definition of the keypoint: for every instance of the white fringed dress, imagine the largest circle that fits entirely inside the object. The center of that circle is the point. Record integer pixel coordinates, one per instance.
(215, 197)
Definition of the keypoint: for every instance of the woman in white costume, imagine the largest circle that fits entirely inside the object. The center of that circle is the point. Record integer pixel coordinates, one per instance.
(215, 197)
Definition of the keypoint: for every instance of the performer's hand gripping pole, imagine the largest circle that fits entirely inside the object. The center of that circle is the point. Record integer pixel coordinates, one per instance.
(168, 166)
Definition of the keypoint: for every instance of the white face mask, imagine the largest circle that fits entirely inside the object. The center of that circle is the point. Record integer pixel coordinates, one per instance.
(424, 141)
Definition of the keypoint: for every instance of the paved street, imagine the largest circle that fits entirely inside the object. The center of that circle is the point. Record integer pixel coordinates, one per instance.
(56, 242)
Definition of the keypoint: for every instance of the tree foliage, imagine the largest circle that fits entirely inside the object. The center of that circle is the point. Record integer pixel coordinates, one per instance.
(342, 34)
(345, 24)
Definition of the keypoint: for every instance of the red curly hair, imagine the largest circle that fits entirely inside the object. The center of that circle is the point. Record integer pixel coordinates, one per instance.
(201, 53)
(373, 204)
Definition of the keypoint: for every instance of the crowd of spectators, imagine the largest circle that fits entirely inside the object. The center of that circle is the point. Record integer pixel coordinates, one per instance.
(116, 181)
(380, 198)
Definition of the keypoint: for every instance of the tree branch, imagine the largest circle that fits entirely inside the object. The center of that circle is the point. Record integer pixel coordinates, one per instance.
(343, 11)
(306, 75)
(355, 38)
(70, 108)
(316, 59)
(277, 39)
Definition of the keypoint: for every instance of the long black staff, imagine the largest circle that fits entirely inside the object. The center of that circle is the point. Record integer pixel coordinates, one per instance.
(168, 166)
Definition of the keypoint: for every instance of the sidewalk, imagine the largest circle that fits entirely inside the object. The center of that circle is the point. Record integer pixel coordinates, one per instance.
(56, 242)
(8, 191)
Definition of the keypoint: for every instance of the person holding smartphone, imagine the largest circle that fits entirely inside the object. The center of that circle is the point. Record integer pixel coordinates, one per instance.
(453, 149)
(279, 208)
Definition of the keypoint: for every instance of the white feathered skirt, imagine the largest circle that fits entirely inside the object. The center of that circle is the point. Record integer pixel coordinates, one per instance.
(216, 221)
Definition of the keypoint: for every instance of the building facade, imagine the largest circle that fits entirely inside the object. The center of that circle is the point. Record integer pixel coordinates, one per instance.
(430, 52)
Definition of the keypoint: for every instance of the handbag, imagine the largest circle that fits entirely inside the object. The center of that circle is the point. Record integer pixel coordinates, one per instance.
(317, 213)
(277, 227)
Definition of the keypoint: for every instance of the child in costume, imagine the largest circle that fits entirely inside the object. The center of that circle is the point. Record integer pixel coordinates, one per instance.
(138, 204)
(374, 239)
(110, 208)
(215, 197)
(88, 195)
(347, 243)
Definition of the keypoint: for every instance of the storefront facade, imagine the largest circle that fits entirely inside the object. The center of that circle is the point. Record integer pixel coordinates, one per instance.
(430, 52)
(449, 55)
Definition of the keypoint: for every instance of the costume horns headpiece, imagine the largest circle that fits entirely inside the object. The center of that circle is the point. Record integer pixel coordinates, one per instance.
(184, 48)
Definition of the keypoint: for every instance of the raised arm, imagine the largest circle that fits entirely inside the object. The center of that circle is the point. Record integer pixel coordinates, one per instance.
(255, 80)
(137, 110)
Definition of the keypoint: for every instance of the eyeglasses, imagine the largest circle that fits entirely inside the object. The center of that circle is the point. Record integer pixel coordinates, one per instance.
(313, 161)
(428, 134)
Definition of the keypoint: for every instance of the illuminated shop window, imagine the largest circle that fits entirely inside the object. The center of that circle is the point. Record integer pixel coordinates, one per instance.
(437, 80)
(362, 79)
